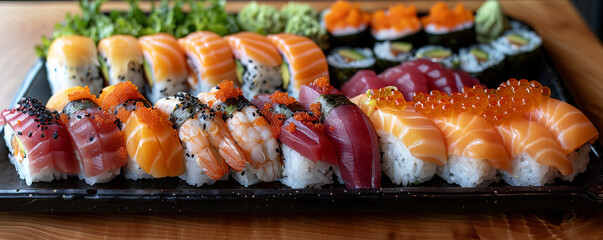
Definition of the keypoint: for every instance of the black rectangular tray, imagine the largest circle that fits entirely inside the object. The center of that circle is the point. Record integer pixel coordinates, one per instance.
(172, 195)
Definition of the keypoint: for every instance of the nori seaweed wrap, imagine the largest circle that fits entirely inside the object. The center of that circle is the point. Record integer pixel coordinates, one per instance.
(451, 28)
(521, 48)
(347, 25)
(389, 54)
(344, 62)
(484, 62)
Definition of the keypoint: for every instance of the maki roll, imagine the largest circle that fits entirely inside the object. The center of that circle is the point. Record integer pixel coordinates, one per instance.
(346, 24)
(153, 147)
(438, 54)
(250, 130)
(344, 62)
(38, 145)
(98, 142)
(121, 60)
(483, 62)
(390, 54)
(258, 63)
(309, 156)
(208, 147)
(397, 23)
(303, 61)
(451, 28)
(164, 66)
(209, 59)
(73, 61)
(522, 50)
(350, 130)
(411, 145)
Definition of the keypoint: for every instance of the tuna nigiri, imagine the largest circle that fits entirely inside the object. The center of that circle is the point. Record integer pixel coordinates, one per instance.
(121, 60)
(39, 147)
(309, 156)
(164, 66)
(208, 147)
(152, 144)
(258, 63)
(412, 146)
(250, 130)
(350, 130)
(209, 59)
(303, 61)
(98, 142)
(536, 157)
(73, 61)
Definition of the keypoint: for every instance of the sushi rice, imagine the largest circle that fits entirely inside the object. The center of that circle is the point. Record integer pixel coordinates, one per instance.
(400, 165)
(383, 51)
(527, 172)
(471, 65)
(503, 45)
(467, 172)
(300, 172)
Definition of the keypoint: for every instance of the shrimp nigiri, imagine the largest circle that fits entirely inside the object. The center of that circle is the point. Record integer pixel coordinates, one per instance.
(250, 130)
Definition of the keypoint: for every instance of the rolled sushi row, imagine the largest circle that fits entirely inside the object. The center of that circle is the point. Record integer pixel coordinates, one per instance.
(195, 63)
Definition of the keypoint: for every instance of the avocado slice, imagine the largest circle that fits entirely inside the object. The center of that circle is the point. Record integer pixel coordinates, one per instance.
(104, 69)
(286, 75)
(147, 72)
(437, 53)
(351, 55)
(401, 47)
(517, 39)
(240, 70)
(479, 54)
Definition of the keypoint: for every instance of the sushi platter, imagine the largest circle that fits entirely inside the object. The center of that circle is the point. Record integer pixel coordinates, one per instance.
(232, 118)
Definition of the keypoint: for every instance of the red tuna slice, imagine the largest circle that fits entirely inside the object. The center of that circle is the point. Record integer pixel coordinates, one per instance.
(46, 142)
(407, 79)
(463, 79)
(361, 81)
(353, 135)
(98, 141)
(438, 77)
(309, 142)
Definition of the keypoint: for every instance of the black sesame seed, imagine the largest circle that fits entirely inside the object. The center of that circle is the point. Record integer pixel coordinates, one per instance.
(91, 138)
(55, 135)
(242, 173)
(19, 133)
(79, 116)
(42, 135)
(29, 135)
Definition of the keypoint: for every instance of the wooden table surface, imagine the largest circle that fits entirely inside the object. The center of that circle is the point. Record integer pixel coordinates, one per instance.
(575, 50)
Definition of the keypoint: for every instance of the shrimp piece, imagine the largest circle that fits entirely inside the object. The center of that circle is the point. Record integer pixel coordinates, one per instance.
(198, 148)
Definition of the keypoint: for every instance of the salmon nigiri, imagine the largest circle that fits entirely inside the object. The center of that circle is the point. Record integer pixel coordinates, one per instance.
(98, 142)
(411, 144)
(164, 66)
(153, 146)
(209, 59)
(121, 60)
(536, 156)
(258, 63)
(471, 141)
(303, 61)
(570, 127)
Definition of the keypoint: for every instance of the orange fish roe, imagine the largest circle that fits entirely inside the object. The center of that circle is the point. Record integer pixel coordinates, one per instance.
(397, 18)
(323, 85)
(122, 153)
(282, 98)
(118, 94)
(81, 94)
(151, 118)
(122, 114)
(64, 119)
(343, 14)
(226, 90)
(104, 119)
(385, 97)
(276, 120)
(442, 16)
(290, 128)
(315, 109)
(311, 121)
(510, 100)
